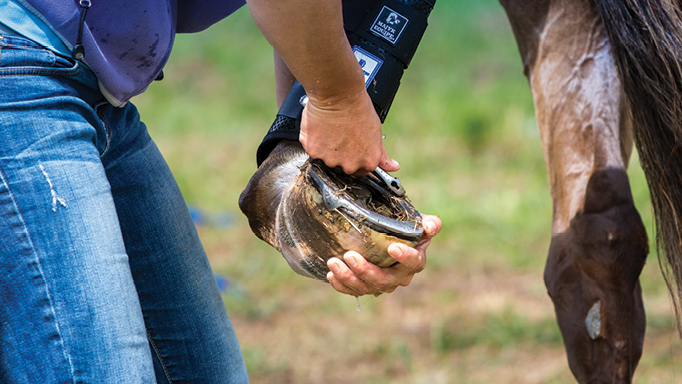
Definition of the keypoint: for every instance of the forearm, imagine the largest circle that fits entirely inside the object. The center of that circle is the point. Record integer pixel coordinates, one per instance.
(284, 79)
(309, 37)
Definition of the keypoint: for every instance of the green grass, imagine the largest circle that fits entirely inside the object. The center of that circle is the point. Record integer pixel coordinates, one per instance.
(463, 128)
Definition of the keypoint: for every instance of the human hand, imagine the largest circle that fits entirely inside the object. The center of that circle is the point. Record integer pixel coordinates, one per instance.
(339, 124)
(358, 277)
(345, 133)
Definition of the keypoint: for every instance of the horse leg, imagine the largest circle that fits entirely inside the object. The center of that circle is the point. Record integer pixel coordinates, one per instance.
(599, 244)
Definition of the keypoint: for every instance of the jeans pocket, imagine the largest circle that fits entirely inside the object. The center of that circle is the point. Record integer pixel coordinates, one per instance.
(20, 56)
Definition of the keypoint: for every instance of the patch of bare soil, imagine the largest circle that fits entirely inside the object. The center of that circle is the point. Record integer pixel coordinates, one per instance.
(451, 325)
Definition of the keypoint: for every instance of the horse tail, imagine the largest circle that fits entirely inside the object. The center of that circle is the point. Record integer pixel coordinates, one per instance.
(646, 40)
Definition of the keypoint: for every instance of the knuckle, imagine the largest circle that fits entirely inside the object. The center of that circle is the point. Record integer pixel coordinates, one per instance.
(406, 281)
(349, 170)
(375, 162)
(364, 291)
(388, 288)
(311, 150)
(330, 161)
(380, 288)
(351, 279)
(421, 264)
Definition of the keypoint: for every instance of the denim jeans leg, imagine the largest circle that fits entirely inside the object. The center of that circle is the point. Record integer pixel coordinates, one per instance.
(69, 311)
(103, 278)
(190, 333)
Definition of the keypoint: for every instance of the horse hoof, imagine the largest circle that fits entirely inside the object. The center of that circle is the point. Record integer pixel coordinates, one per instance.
(321, 213)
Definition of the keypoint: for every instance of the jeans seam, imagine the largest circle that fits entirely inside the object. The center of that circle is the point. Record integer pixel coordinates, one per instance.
(107, 128)
(24, 46)
(158, 354)
(33, 70)
(3, 180)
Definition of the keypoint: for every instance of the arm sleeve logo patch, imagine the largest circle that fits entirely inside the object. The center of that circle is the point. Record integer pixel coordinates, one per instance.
(370, 64)
(389, 25)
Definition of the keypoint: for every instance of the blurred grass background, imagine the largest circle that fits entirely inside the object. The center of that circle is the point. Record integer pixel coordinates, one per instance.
(463, 129)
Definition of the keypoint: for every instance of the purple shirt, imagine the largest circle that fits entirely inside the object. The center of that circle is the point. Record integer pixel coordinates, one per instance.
(127, 42)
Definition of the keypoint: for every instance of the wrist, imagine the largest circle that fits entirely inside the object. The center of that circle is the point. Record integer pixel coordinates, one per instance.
(349, 94)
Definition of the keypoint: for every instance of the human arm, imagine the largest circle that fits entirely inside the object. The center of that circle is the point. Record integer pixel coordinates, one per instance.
(284, 79)
(339, 124)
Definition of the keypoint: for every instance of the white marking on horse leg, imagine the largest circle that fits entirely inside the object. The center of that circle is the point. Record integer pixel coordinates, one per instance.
(593, 321)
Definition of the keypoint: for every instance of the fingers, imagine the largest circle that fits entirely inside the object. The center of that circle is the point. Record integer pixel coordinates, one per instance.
(432, 225)
(344, 280)
(387, 163)
(345, 135)
(357, 277)
(412, 260)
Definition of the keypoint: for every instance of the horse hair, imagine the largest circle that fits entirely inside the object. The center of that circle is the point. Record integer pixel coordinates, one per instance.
(646, 39)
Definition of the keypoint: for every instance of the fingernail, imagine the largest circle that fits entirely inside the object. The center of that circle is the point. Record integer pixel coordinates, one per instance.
(351, 260)
(395, 163)
(396, 251)
(333, 265)
(330, 276)
(429, 228)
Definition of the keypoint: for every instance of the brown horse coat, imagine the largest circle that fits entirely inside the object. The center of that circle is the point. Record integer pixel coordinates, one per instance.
(603, 72)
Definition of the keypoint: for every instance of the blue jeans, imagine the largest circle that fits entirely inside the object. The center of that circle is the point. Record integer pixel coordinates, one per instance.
(103, 278)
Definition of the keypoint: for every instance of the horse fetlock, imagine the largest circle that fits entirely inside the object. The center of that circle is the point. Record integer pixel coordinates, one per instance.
(592, 277)
(609, 233)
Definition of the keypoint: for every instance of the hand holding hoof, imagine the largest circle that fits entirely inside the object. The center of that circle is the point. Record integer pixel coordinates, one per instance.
(311, 213)
(358, 277)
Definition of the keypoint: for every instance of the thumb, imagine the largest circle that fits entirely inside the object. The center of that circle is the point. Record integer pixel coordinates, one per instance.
(387, 163)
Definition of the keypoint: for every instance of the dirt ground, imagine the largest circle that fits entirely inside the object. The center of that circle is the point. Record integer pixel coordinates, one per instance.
(451, 325)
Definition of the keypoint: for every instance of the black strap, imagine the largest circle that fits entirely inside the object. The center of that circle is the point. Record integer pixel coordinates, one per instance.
(394, 26)
(390, 30)
(287, 124)
(78, 49)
